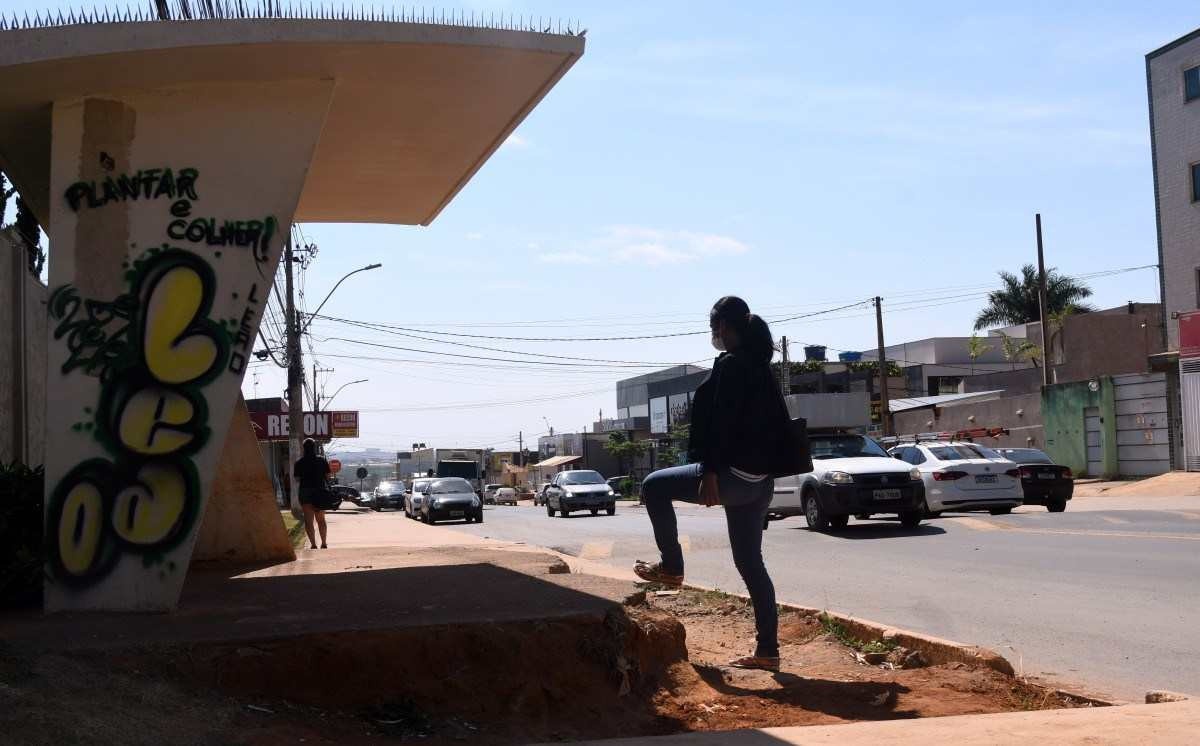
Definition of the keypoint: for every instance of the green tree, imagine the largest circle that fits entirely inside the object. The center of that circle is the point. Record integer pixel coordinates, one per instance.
(1020, 349)
(975, 348)
(673, 453)
(625, 449)
(1016, 302)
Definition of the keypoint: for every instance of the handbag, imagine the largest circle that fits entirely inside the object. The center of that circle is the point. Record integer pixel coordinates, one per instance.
(326, 499)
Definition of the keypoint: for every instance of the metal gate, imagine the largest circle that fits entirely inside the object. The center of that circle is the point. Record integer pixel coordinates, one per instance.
(1189, 384)
(1094, 433)
(1143, 437)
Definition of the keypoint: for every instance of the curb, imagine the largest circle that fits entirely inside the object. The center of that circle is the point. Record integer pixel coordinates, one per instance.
(937, 651)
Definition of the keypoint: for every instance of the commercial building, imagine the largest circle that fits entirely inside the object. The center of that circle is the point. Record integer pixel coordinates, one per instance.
(653, 402)
(1173, 92)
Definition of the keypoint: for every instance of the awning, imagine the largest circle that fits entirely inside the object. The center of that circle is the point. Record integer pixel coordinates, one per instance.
(556, 461)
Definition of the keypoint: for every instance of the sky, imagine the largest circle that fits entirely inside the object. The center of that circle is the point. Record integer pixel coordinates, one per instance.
(805, 156)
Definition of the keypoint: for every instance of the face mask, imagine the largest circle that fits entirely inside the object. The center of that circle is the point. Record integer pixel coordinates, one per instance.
(718, 343)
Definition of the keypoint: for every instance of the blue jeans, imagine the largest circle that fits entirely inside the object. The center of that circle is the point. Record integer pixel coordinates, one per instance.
(745, 506)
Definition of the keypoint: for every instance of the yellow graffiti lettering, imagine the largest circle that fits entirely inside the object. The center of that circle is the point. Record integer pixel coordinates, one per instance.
(147, 420)
(172, 307)
(79, 528)
(148, 512)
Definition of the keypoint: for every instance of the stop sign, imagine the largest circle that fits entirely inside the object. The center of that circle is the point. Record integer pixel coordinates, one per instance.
(334, 465)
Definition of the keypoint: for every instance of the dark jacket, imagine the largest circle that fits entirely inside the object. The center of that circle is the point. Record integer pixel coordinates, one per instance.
(738, 417)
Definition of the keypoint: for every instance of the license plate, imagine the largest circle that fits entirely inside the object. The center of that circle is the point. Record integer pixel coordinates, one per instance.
(456, 513)
(985, 479)
(887, 494)
(1046, 476)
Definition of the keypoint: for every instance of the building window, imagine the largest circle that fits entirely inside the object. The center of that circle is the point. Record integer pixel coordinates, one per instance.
(1191, 83)
(1195, 182)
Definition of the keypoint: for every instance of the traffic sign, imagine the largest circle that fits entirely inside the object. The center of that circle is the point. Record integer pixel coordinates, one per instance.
(334, 465)
(362, 472)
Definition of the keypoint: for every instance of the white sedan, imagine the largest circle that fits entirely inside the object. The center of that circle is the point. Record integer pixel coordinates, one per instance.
(963, 476)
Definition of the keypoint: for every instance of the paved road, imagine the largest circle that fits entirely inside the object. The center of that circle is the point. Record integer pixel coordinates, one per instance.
(1105, 598)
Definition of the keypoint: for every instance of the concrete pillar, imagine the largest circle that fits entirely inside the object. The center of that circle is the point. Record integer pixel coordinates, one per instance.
(169, 209)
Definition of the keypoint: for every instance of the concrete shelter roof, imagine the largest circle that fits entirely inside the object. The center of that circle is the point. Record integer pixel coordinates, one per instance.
(417, 108)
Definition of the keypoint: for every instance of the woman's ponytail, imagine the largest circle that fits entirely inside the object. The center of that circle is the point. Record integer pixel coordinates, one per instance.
(753, 331)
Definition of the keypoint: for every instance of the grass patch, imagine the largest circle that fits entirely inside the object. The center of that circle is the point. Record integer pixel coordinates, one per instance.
(295, 529)
(838, 630)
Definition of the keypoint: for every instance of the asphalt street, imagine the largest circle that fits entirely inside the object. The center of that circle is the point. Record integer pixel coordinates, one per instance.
(1107, 599)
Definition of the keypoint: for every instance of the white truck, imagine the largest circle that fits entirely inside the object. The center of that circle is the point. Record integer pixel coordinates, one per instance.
(852, 475)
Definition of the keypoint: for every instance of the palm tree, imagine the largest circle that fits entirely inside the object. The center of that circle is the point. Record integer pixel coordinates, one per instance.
(1016, 302)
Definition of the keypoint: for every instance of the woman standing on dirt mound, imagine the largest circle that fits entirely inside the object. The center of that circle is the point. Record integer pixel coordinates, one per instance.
(739, 430)
(312, 471)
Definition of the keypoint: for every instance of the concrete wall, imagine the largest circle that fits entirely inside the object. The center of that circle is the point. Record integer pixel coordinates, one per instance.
(832, 410)
(1175, 133)
(1063, 406)
(153, 314)
(1022, 415)
(1108, 343)
(1011, 382)
(242, 523)
(29, 341)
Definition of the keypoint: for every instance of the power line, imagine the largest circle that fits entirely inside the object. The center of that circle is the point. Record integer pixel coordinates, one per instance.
(610, 364)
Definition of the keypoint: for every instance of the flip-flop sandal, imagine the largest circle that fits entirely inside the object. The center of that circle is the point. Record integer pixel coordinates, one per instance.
(756, 662)
(653, 573)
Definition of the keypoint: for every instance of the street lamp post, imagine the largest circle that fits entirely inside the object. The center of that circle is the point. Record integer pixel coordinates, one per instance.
(344, 385)
(313, 315)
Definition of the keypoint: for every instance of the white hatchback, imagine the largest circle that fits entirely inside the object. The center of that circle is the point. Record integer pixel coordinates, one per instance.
(963, 476)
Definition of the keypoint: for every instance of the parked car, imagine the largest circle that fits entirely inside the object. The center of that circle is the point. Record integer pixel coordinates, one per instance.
(505, 496)
(539, 496)
(389, 494)
(416, 494)
(451, 498)
(489, 493)
(961, 475)
(852, 475)
(579, 489)
(1043, 482)
(615, 483)
(345, 492)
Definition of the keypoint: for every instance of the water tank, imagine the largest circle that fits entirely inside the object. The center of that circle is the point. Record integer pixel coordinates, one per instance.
(814, 352)
(849, 357)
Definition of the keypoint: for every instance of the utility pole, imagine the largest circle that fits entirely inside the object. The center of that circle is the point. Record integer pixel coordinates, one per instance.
(295, 374)
(316, 394)
(785, 370)
(1042, 303)
(520, 448)
(883, 373)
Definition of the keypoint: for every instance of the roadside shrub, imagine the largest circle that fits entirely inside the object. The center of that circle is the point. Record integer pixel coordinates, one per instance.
(21, 554)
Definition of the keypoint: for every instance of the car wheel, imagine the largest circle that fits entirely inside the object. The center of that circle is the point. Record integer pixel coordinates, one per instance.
(549, 510)
(479, 516)
(562, 511)
(1056, 506)
(839, 521)
(1000, 511)
(611, 509)
(595, 511)
(378, 509)
(910, 518)
(816, 518)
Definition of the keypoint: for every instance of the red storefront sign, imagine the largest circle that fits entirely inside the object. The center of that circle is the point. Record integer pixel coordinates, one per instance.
(1189, 334)
(321, 426)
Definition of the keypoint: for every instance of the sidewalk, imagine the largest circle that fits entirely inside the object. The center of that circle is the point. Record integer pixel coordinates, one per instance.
(1167, 724)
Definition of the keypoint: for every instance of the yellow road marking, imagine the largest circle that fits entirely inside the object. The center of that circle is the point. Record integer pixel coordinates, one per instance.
(977, 524)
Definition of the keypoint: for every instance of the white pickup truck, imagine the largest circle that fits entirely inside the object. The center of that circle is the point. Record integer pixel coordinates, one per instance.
(852, 476)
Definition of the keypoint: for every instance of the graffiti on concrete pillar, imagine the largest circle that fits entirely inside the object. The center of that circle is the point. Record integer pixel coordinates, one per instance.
(154, 349)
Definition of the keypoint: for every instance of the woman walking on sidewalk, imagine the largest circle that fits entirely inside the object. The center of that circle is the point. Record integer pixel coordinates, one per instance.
(739, 429)
(312, 474)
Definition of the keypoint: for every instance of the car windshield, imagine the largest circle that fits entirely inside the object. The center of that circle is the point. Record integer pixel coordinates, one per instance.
(581, 477)
(1027, 456)
(844, 446)
(391, 487)
(450, 486)
(961, 451)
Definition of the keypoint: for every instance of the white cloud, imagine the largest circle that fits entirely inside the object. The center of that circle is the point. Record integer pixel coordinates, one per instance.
(566, 257)
(653, 247)
(474, 236)
(515, 142)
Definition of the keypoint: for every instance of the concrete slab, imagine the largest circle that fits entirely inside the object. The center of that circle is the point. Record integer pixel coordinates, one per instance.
(1174, 723)
(339, 590)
